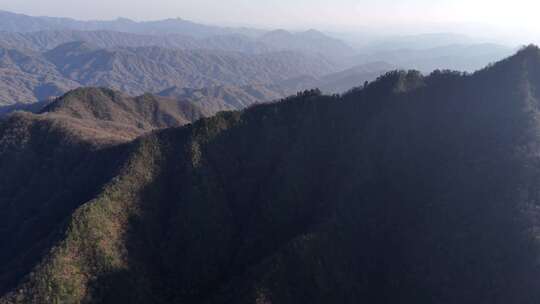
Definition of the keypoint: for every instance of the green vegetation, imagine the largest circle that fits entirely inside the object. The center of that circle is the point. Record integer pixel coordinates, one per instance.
(410, 189)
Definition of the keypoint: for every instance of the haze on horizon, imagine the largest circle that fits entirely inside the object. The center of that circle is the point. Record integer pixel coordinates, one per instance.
(513, 21)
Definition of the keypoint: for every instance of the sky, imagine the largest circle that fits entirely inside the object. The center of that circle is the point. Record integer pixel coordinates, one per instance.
(516, 17)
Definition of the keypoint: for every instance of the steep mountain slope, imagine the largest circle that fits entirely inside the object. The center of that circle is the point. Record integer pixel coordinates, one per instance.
(46, 170)
(65, 154)
(411, 190)
(52, 161)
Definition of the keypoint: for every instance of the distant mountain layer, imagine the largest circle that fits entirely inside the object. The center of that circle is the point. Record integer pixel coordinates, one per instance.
(29, 76)
(40, 33)
(43, 57)
(213, 99)
(421, 42)
(460, 57)
(226, 98)
(223, 98)
(411, 189)
(12, 22)
(311, 41)
(339, 82)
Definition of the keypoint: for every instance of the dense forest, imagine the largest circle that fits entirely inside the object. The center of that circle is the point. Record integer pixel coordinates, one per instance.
(409, 189)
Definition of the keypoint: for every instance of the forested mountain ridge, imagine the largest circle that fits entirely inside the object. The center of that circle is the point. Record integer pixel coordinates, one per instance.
(416, 189)
(146, 112)
(63, 154)
(102, 115)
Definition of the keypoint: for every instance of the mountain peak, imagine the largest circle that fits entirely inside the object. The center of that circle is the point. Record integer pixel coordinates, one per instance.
(530, 51)
(526, 59)
(89, 98)
(110, 110)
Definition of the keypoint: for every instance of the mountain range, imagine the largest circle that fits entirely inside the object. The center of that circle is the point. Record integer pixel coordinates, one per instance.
(310, 42)
(460, 57)
(13, 22)
(409, 189)
(42, 58)
(40, 33)
(45, 40)
(27, 76)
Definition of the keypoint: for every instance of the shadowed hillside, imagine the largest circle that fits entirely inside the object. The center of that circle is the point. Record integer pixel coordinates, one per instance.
(103, 115)
(46, 171)
(411, 190)
(146, 111)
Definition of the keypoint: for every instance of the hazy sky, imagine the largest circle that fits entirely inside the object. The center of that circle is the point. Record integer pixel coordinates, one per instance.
(517, 16)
